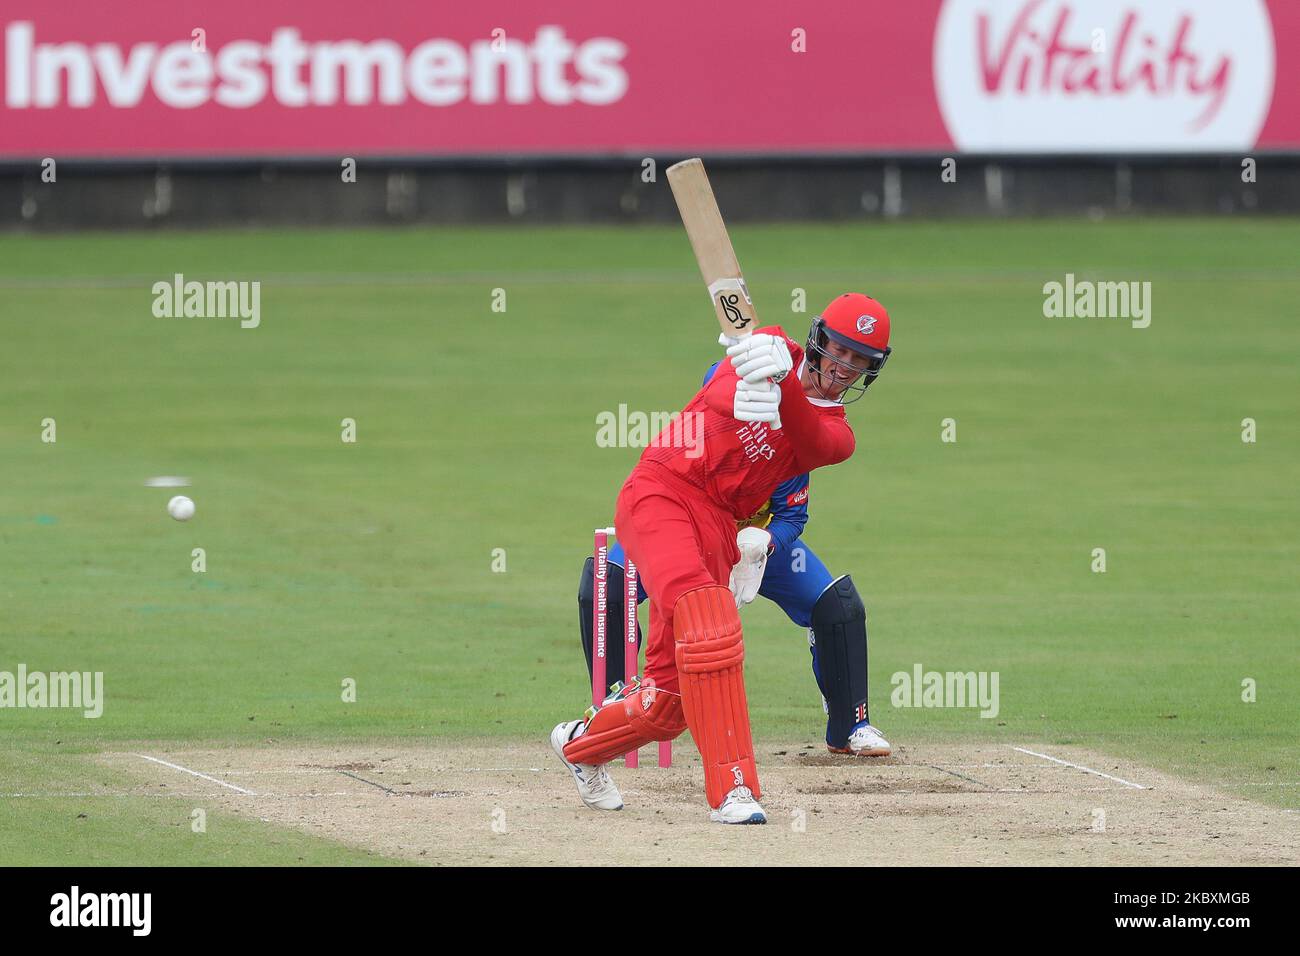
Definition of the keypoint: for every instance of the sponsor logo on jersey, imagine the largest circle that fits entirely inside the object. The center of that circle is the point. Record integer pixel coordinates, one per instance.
(753, 441)
(800, 497)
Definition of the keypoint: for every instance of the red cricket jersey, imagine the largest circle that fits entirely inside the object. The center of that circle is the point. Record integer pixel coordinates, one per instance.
(739, 464)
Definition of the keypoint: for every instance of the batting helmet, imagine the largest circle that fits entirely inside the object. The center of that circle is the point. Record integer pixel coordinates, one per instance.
(859, 323)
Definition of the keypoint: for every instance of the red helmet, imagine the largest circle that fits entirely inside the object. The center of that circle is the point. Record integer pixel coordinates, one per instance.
(857, 322)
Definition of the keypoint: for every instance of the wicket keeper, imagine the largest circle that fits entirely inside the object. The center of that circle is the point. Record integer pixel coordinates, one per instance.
(792, 576)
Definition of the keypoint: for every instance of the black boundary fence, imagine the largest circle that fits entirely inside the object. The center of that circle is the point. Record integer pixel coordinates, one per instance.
(313, 192)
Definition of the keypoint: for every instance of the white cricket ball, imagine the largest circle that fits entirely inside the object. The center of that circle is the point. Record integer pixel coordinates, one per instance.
(181, 508)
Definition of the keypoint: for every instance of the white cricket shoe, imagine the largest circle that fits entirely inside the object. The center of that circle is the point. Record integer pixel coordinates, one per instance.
(595, 785)
(739, 806)
(865, 741)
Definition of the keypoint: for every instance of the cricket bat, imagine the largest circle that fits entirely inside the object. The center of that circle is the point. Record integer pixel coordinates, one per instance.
(712, 246)
(713, 249)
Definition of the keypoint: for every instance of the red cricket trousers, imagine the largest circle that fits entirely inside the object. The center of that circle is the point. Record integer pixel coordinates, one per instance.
(679, 541)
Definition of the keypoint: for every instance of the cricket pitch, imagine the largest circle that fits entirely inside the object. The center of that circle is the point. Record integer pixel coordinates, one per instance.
(488, 803)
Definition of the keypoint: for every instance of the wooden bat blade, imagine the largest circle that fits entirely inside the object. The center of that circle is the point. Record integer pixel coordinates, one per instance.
(712, 246)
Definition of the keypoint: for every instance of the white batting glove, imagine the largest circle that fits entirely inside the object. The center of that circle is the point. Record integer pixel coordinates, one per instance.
(761, 356)
(756, 403)
(747, 575)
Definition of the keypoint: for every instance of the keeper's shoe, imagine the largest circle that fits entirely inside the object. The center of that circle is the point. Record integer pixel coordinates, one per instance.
(739, 806)
(865, 741)
(595, 785)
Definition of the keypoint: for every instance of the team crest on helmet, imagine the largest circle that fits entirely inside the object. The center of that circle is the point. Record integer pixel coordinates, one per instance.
(866, 324)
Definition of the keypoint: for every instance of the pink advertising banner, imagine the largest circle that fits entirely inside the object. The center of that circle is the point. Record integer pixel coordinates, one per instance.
(303, 78)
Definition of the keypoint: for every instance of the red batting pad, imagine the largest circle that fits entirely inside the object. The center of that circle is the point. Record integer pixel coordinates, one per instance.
(710, 664)
(627, 724)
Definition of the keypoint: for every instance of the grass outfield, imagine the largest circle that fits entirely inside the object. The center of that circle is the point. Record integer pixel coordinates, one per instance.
(476, 431)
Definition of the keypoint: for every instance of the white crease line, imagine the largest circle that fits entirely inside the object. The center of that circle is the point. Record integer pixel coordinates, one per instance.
(1032, 753)
(405, 769)
(1250, 783)
(297, 773)
(57, 796)
(164, 796)
(1055, 792)
(495, 769)
(195, 773)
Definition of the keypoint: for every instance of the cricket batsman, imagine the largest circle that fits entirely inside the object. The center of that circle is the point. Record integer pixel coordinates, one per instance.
(676, 517)
(790, 574)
